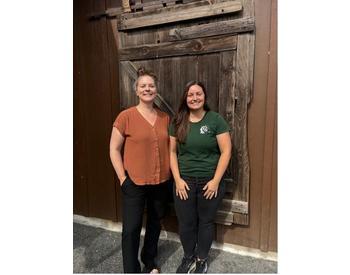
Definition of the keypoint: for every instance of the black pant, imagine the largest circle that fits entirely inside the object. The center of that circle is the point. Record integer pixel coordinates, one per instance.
(196, 217)
(134, 199)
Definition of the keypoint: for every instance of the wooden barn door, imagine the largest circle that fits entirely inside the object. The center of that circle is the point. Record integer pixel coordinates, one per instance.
(197, 40)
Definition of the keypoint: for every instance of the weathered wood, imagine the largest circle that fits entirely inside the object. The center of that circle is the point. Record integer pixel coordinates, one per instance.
(249, 40)
(127, 94)
(234, 206)
(244, 78)
(177, 13)
(226, 104)
(126, 6)
(209, 75)
(217, 28)
(223, 217)
(130, 70)
(225, 71)
(175, 8)
(270, 151)
(175, 73)
(239, 218)
(229, 182)
(138, 37)
(112, 12)
(153, 4)
(179, 48)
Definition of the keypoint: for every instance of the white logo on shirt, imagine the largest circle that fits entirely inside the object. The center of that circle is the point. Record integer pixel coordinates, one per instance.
(204, 130)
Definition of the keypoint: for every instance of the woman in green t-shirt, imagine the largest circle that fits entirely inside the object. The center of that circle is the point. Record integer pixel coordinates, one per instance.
(200, 151)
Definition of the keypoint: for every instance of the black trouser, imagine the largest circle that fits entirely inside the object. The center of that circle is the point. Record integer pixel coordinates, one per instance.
(134, 199)
(196, 217)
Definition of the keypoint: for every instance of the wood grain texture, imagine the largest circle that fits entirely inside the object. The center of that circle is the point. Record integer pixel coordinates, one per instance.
(178, 48)
(95, 121)
(80, 170)
(215, 69)
(234, 206)
(269, 147)
(236, 26)
(114, 95)
(226, 106)
(244, 84)
(250, 236)
(175, 14)
(209, 75)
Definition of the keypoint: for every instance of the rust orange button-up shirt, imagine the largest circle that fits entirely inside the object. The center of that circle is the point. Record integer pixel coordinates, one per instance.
(146, 149)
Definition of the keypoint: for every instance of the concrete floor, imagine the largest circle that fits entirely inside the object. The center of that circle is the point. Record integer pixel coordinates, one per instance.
(98, 250)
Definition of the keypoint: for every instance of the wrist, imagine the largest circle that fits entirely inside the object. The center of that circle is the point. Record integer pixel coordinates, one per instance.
(216, 180)
(177, 178)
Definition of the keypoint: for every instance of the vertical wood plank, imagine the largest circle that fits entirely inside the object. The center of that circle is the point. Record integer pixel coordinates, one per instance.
(174, 74)
(269, 134)
(169, 80)
(95, 95)
(208, 74)
(244, 69)
(112, 36)
(127, 93)
(273, 203)
(80, 188)
(226, 97)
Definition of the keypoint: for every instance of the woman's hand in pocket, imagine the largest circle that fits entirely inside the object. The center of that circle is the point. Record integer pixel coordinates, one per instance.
(122, 180)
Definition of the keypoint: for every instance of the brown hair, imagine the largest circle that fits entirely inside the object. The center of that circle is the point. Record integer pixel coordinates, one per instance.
(142, 72)
(181, 120)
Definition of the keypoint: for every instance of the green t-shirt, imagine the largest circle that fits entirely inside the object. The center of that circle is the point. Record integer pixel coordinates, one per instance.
(199, 155)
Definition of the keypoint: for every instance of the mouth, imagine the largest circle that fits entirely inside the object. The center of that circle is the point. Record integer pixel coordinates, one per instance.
(148, 93)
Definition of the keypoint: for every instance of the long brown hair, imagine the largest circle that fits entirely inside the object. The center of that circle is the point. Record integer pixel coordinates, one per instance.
(181, 120)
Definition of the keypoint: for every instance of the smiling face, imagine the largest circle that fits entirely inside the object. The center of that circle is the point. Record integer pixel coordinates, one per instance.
(195, 98)
(146, 88)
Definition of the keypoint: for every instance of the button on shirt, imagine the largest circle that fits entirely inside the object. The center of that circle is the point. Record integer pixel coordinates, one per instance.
(146, 148)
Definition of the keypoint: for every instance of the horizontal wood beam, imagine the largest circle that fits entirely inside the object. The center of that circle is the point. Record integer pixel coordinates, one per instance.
(176, 14)
(228, 218)
(245, 24)
(234, 206)
(223, 217)
(153, 4)
(179, 48)
(139, 14)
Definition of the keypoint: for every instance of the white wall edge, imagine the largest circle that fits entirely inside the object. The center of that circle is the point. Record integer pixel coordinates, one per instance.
(166, 235)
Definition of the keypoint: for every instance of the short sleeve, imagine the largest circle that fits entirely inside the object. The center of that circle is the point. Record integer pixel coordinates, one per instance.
(121, 123)
(221, 125)
(171, 130)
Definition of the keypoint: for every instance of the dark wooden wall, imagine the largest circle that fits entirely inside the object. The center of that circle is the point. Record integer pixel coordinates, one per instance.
(96, 99)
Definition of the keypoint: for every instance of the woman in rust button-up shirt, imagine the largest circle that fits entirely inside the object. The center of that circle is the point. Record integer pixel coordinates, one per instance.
(143, 172)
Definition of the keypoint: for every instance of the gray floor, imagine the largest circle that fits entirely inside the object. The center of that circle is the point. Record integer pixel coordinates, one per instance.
(99, 251)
